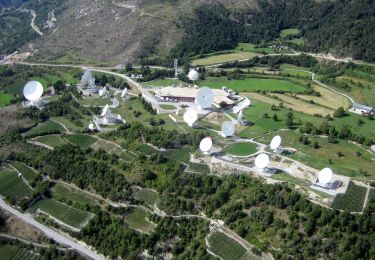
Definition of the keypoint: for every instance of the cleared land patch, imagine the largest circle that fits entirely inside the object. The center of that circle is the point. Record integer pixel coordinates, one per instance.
(63, 193)
(225, 247)
(12, 186)
(146, 195)
(47, 127)
(51, 140)
(27, 172)
(83, 141)
(5, 99)
(225, 57)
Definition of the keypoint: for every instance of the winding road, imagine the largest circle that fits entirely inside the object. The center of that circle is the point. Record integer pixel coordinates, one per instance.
(32, 23)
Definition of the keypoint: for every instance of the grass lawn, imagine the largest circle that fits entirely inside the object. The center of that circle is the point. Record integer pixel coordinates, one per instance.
(298, 41)
(61, 192)
(241, 149)
(45, 128)
(225, 247)
(5, 99)
(352, 200)
(81, 140)
(95, 101)
(179, 155)
(224, 57)
(253, 84)
(291, 179)
(72, 127)
(27, 172)
(137, 220)
(11, 186)
(199, 167)
(146, 195)
(349, 165)
(69, 215)
(167, 107)
(51, 140)
(162, 82)
(251, 48)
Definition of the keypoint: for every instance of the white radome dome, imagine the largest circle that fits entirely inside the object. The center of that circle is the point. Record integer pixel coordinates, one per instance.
(33, 90)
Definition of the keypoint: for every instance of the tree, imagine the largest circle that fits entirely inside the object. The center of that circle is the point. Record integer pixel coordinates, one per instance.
(316, 145)
(289, 119)
(339, 112)
(275, 118)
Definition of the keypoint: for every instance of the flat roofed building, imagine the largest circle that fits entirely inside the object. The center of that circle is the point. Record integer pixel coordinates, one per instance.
(172, 94)
(363, 108)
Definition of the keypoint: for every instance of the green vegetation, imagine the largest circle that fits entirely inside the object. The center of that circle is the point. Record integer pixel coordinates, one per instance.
(71, 196)
(5, 99)
(14, 252)
(138, 220)
(83, 141)
(241, 149)
(27, 172)
(254, 84)
(289, 32)
(13, 187)
(167, 107)
(51, 140)
(146, 195)
(290, 179)
(48, 127)
(162, 82)
(225, 247)
(352, 200)
(64, 213)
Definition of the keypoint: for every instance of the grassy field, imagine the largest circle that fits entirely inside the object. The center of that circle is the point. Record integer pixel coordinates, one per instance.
(167, 107)
(27, 172)
(51, 140)
(352, 200)
(241, 149)
(95, 101)
(289, 178)
(350, 164)
(5, 99)
(83, 141)
(162, 82)
(62, 193)
(254, 84)
(72, 127)
(138, 220)
(225, 247)
(45, 128)
(179, 155)
(225, 57)
(291, 31)
(11, 186)
(64, 213)
(146, 195)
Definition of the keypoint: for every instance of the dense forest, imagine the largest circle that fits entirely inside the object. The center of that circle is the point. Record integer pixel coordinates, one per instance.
(11, 3)
(342, 27)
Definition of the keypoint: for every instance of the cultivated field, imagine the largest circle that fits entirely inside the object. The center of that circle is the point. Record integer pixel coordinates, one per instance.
(13, 252)
(352, 200)
(146, 195)
(63, 193)
(45, 128)
(51, 140)
(27, 172)
(83, 141)
(71, 216)
(225, 247)
(11, 186)
(138, 220)
(5, 99)
(241, 149)
(225, 57)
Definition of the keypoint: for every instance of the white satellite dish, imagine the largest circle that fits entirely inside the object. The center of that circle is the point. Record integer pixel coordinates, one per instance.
(236, 109)
(325, 176)
(190, 117)
(91, 126)
(227, 129)
(115, 103)
(205, 97)
(262, 161)
(205, 145)
(124, 93)
(33, 90)
(244, 104)
(193, 75)
(276, 142)
(103, 91)
(106, 111)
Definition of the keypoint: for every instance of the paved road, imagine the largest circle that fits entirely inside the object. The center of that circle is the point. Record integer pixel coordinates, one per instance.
(32, 24)
(51, 233)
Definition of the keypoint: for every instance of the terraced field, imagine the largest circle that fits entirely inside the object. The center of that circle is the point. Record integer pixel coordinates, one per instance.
(71, 216)
(51, 140)
(45, 128)
(146, 195)
(63, 193)
(12, 186)
(138, 220)
(27, 172)
(13, 252)
(241, 149)
(83, 141)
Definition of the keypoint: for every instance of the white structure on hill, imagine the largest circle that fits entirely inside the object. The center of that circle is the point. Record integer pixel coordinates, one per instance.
(89, 82)
(108, 118)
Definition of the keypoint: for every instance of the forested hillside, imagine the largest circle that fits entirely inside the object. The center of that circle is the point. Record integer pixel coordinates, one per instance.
(11, 3)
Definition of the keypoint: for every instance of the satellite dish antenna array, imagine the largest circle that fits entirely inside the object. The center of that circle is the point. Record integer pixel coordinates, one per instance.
(325, 176)
(190, 117)
(33, 91)
(193, 75)
(262, 161)
(206, 145)
(124, 93)
(205, 97)
(276, 143)
(227, 129)
(240, 108)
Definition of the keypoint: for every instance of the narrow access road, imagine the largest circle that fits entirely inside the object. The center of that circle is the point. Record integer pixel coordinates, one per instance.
(51, 233)
(32, 23)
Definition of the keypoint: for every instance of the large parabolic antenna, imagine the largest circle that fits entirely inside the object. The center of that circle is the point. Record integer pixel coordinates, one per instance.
(262, 161)
(205, 97)
(193, 75)
(86, 78)
(236, 109)
(227, 129)
(190, 117)
(205, 145)
(325, 176)
(33, 90)
(276, 142)
(244, 104)
(124, 93)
